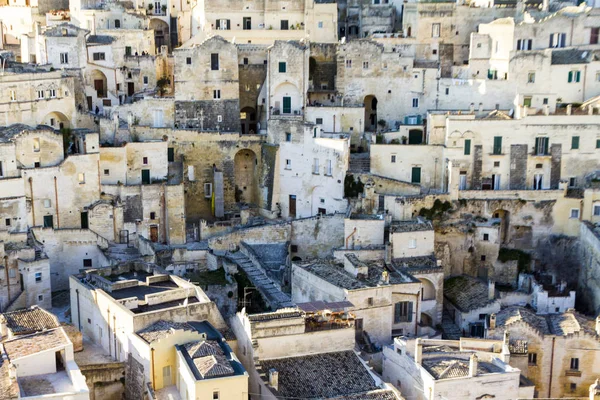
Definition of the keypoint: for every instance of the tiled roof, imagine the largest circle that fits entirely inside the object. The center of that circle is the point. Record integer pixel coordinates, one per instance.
(29, 320)
(8, 387)
(451, 367)
(413, 225)
(327, 375)
(573, 56)
(100, 39)
(467, 293)
(382, 394)
(209, 359)
(161, 329)
(563, 324)
(24, 346)
(512, 315)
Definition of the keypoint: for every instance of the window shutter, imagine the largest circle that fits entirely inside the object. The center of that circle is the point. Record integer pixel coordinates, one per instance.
(497, 144)
(218, 24)
(546, 145)
(575, 142)
(467, 147)
(577, 76)
(570, 76)
(563, 40)
(397, 312)
(519, 45)
(529, 44)
(228, 24)
(551, 40)
(410, 310)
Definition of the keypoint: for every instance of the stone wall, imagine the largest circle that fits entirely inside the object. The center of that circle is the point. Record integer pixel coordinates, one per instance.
(209, 115)
(106, 381)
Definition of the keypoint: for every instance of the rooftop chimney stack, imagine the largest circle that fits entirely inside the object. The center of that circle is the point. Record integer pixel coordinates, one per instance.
(274, 378)
(569, 107)
(418, 351)
(491, 289)
(473, 365)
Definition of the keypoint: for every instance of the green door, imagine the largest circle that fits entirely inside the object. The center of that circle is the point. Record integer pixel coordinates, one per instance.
(48, 221)
(287, 105)
(145, 177)
(415, 136)
(497, 144)
(84, 220)
(416, 175)
(170, 154)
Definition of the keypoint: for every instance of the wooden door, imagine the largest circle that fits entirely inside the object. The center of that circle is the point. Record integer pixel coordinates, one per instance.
(287, 105)
(84, 220)
(145, 177)
(89, 103)
(99, 87)
(292, 205)
(130, 88)
(154, 233)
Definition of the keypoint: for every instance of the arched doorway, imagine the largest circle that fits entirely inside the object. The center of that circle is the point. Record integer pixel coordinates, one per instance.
(56, 120)
(161, 33)
(370, 113)
(415, 136)
(245, 176)
(287, 100)
(99, 83)
(503, 217)
(248, 120)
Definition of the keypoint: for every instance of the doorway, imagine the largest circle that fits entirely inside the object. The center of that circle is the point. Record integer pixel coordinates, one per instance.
(292, 212)
(60, 366)
(85, 224)
(287, 105)
(145, 177)
(167, 380)
(154, 233)
(130, 89)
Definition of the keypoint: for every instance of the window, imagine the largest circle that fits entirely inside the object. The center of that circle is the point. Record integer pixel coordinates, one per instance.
(36, 145)
(574, 76)
(106, 172)
(370, 302)
(416, 175)
(99, 56)
(87, 263)
(538, 180)
(47, 203)
(40, 297)
(245, 60)
(558, 40)
(403, 311)
(545, 101)
(188, 60)
(145, 80)
(524, 44)
(81, 178)
(216, 396)
(208, 190)
(7, 221)
(435, 30)
(497, 145)
(319, 121)
(284, 25)
(496, 164)
(40, 94)
(288, 164)
(575, 364)
(219, 118)
(38, 278)
(365, 65)
(328, 168)
(316, 166)
(12, 273)
(575, 142)
(64, 58)
(447, 91)
(574, 213)
(145, 160)
(288, 137)
(348, 63)
(596, 210)
(13, 95)
(541, 146)
(531, 78)
(320, 24)
(598, 143)
(594, 33)
(52, 93)
(214, 62)
(282, 67)
(294, 248)
(1, 169)
(532, 358)
(415, 103)
(492, 74)
(412, 243)
(393, 160)
(527, 101)
(467, 147)
(573, 387)
(217, 94)
(482, 317)
(486, 237)
(482, 258)
(572, 182)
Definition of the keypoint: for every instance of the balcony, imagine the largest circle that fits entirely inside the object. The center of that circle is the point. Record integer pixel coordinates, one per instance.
(279, 113)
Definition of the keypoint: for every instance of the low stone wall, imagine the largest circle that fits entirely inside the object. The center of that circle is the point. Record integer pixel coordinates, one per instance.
(105, 381)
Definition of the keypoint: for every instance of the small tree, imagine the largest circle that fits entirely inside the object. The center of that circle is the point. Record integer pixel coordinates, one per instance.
(162, 84)
(150, 6)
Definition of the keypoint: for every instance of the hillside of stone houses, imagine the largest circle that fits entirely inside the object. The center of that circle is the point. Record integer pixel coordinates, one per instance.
(299, 199)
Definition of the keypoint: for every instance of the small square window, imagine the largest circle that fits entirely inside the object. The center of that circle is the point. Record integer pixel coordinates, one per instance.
(573, 387)
(145, 160)
(152, 215)
(596, 210)
(106, 172)
(216, 396)
(7, 221)
(496, 164)
(288, 137)
(87, 263)
(483, 258)
(188, 60)
(40, 297)
(538, 166)
(294, 248)
(365, 65)
(486, 237)
(572, 182)
(81, 178)
(545, 101)
(393, 158)
(38, 276)
(574, 213)
(282, 67)
(532, 358)
(370, 301)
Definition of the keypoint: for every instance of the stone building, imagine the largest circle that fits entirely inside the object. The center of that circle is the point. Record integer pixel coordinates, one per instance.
(558, 352)
(590, 255)
(465, 368)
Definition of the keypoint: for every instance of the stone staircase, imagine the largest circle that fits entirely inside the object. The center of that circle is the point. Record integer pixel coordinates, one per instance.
(360, 163)
(450, 330)
(122, 252)
(269, 290)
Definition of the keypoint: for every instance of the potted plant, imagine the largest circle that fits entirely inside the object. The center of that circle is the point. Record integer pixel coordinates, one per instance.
(150, 6)
(404, 139)
(164, 8)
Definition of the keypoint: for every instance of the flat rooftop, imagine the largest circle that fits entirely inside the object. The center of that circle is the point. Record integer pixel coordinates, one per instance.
(413, 225)
(47, 384)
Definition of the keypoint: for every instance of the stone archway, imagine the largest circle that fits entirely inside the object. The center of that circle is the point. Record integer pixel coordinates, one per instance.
(161, 33)
(428, 290)
(56, 120)
(246, 184)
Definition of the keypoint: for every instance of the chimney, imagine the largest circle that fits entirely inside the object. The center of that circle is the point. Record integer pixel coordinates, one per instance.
(569, 107)
(545, 5)
(590, 110)
(274, 378)
(473, 365)
(525, 110)
(418, 351)
(491, 290)
(492, 321)
(480, 107)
